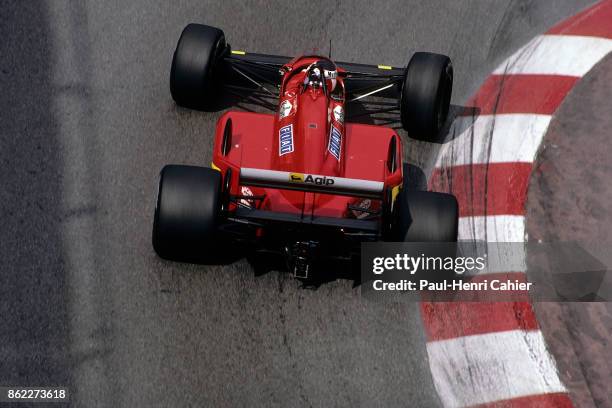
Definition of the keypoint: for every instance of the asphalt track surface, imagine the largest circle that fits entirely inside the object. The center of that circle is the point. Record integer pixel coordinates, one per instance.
(86, 124)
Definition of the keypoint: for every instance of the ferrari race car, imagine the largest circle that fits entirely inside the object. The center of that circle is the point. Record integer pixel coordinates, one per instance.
(303, 183)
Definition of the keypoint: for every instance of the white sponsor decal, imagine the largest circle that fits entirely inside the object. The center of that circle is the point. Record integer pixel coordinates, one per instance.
(248, 175)
(335, 142)
(285, 109)
(245, 191)
(285, 142)
(330, 74)
(339, 114)
(311, 178)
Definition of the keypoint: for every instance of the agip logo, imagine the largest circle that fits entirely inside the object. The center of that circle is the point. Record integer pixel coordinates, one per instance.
(311, 179)
(319, 181)
(296, 177)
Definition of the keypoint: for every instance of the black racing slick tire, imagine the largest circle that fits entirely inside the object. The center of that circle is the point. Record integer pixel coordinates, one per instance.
(187, 213)
(426, 94)
(426, 216)
(430, 218)
(195, 67)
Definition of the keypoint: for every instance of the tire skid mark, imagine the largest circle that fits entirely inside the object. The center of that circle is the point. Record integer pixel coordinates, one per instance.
(461, 338)
(282, 316)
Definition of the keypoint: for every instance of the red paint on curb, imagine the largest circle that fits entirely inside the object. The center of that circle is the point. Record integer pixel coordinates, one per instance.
(596, 21)
(540, 94)
(448, 320)
(555, 400)
(501, 189)
(485, 189)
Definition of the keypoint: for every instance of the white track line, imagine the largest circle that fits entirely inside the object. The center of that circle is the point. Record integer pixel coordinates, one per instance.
(500, 257)
(489, 367)
(557, 55)
(498, 228)
(493, 139)
(85, 280)
(507, 230)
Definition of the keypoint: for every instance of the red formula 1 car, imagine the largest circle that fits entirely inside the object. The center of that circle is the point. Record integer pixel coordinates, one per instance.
(302, 183)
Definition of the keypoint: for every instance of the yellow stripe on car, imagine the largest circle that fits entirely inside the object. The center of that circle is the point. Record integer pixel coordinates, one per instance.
(238, 52)
(394, 192)
(385, 67)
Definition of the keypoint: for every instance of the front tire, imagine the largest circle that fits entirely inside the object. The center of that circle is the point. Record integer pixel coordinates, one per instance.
(426, 94)
(187, 213)
(194, 76)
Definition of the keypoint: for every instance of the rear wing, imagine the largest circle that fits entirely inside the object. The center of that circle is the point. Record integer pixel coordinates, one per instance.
(314, 183)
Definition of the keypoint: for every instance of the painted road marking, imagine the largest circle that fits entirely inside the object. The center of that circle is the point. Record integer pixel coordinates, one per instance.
(556, 55)
(493, 139)
(485, 189)
(498, 228)
(493, 354)
(521, 94)
(447, 319)
(594, 22)
(462, 367)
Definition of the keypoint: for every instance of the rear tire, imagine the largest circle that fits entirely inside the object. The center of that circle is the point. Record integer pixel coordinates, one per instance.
(195, 66)
(426, 216)
(426, 94)
(187, 213)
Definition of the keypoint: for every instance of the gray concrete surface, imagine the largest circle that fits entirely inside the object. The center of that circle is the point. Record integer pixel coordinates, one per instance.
(569, 201)
(86, 124)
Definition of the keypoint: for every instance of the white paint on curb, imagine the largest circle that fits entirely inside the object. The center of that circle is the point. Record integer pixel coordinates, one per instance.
(557, 55)
(498, 228)
(503, 365)
(489, 367)
(493, 139)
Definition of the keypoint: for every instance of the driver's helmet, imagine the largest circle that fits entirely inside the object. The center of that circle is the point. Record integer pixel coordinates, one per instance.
(321, 71)
(314, 76)
(330, 73)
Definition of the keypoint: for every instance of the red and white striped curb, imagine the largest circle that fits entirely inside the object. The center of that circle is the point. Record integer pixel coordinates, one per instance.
(493, 354)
